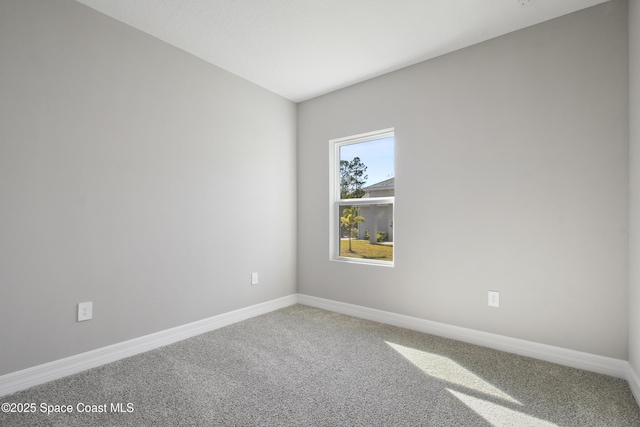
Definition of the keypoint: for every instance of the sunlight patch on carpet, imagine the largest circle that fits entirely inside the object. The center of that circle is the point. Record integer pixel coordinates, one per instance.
(498, 415)
(446, 369)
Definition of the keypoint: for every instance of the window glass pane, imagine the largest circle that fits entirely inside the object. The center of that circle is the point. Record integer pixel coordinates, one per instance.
(364, 190)
(366, 231)
(367, 169)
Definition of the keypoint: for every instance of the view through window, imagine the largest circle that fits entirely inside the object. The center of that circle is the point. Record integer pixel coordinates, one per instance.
(364, 197)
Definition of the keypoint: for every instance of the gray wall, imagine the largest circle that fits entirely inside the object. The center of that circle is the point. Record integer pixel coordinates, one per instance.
(511, 175)
(135, 176)
(634, 217)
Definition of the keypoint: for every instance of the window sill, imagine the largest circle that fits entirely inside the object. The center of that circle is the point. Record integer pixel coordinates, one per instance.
(363, 262)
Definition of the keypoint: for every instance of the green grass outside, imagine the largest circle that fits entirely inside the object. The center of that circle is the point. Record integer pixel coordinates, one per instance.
(364, 249)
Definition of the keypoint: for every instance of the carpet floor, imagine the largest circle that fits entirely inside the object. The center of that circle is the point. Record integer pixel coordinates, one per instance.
(302, 366)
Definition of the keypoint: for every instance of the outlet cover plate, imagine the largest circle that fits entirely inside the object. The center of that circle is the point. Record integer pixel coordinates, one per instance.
(85, 311)
(254, 278)
(494, 299)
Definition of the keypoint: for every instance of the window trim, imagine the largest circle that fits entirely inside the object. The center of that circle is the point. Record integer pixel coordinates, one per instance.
(335, 201)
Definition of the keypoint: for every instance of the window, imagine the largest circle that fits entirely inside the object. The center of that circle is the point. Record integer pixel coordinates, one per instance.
(362, 198)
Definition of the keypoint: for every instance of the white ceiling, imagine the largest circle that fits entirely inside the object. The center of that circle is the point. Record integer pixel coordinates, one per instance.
(304, 48)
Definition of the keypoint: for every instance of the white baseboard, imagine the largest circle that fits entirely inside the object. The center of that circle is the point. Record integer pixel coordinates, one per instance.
(20, 380)
(562, 356)
(634, 383)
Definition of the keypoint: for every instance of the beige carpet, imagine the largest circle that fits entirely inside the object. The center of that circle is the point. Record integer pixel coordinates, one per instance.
(302, 366)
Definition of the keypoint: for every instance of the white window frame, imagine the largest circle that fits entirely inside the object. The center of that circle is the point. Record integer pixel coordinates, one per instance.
(335, 201)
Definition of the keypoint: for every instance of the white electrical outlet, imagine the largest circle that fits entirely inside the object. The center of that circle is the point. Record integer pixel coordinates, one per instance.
(85, 311)
(254, 278)
(494, 299)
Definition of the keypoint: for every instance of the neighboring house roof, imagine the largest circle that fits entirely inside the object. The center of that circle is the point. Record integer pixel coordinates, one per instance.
(387, 184)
